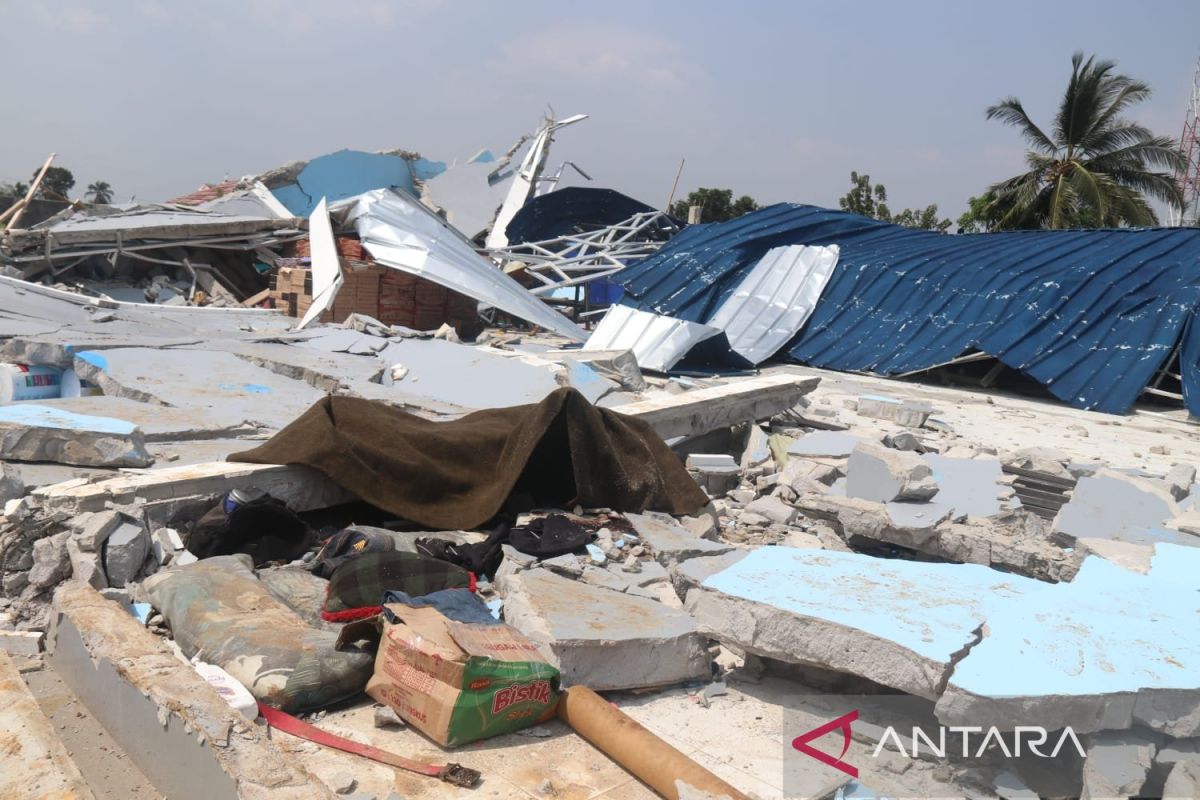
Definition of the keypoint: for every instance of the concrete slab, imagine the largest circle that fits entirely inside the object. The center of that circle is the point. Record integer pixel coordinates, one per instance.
(464, 375)
(898, 623)
(158, 423)
(1112, 505)
(1101, 652)
(175, 727)
(36, 763)
(603, 639)
(34, 432)
(226, 389)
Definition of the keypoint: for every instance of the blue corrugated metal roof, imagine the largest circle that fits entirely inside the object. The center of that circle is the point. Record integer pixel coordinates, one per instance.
(1090, 314)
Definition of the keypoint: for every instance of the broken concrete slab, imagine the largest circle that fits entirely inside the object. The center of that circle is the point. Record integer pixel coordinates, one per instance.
(93, 527)
(757, 450)
(603, 639)
(1102, 652)
(910, 415)
(670, 542)
(85, 566)
(620, 366)
(30, 432)
(702, 410)
(899, 623)
(1113, 505)
(1118, 764)
(173, 724)
(25, 644)
(158, 423)
(875, 472)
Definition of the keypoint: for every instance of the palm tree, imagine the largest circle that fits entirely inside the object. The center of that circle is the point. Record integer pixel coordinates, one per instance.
(1095, 171)
(100, 192)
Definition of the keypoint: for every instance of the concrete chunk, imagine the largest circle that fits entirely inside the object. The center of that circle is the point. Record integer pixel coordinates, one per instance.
(85, 566)
(773, 509)
(1180, 479)
(51, 562)
(124, 553)
(670, 542)
(603, 639)
(1117, 765)
(39, 433)
(824, 444)
(875, 472)
(93, 528)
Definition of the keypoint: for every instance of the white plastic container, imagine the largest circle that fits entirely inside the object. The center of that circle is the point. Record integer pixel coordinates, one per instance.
(229, 688)
(22, 382)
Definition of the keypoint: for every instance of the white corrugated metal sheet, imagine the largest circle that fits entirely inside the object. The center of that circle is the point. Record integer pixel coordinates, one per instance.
(401, 233)
(658, 342)
(775, 299)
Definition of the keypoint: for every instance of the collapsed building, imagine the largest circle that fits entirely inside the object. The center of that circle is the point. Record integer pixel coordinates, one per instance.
(363, 476)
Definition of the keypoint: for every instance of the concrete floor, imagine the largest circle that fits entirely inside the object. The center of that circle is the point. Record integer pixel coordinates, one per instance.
(105, 766)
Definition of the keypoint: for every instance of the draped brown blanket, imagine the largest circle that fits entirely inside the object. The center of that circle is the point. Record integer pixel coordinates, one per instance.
(559, 453)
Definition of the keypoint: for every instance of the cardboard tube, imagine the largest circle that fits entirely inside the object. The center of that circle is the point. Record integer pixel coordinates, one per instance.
(647, 757)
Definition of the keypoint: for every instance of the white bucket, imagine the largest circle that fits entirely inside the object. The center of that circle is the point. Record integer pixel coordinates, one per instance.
(22, 382)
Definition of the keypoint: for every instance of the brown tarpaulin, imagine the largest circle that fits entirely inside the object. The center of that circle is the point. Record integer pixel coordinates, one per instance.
(562, 451)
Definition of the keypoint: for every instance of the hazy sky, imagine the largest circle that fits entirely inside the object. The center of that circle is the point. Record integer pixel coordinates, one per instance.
(780, 100)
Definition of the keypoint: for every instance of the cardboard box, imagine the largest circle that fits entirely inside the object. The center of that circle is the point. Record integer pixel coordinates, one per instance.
(459, 682)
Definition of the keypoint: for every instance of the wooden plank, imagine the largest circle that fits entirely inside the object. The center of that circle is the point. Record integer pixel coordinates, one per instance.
(32, 190)
(254, 300)
(687, 414)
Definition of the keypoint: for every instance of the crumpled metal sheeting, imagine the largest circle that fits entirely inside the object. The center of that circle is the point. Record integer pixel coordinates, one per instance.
(401, 233)
(658, 342)
(774, 300)
(1090, 314)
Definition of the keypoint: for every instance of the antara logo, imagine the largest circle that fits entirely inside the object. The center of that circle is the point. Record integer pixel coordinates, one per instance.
(1034, 737)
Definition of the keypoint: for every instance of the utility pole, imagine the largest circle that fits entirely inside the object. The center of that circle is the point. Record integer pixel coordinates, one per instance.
(1189, 176)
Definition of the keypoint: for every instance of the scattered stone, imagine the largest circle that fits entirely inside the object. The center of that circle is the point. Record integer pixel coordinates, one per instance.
(878, 473)
(1180, 480)
(773, 509)
(1118, 763)
(1160, 450)
(752, 519)
(601, 638)
(51, 562)
(566, 564)
(343, 783)
(124, 552)
(546, 788)
(631, 564)
(905, 440)
(386, 717)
